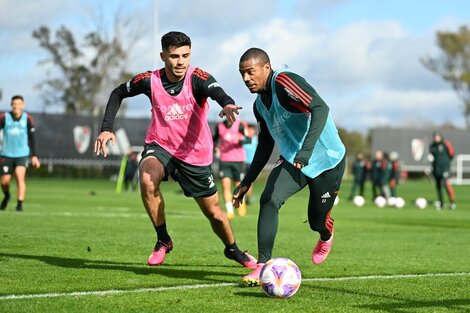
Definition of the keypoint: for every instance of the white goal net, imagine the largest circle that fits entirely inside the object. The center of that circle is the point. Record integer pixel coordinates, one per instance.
(462, 169)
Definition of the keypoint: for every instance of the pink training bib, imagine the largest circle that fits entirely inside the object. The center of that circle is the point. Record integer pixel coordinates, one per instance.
(231, 150)
(179, 124)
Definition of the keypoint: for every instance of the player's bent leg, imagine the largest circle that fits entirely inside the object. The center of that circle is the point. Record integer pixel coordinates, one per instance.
(221, 227)
(283, 181)
(151, 175)
(323, 191)
(326, 229)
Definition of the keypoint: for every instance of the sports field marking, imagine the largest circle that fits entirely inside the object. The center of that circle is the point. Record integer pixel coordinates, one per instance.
(108, 215)
(200, 286)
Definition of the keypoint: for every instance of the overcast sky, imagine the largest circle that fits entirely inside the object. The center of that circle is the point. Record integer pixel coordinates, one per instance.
(362, 56)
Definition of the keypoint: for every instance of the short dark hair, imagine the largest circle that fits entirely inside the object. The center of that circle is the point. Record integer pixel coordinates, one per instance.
(175, 39)
(255, 53)
(16, 97)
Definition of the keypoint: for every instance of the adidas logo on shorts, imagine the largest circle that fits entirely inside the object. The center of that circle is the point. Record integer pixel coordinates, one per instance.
(326, 195)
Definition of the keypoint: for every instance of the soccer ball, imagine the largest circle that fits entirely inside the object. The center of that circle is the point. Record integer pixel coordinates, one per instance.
(421, 203)
(359, 201)
(399, 202)
(280, 278)
(380, 201)
(391, 201)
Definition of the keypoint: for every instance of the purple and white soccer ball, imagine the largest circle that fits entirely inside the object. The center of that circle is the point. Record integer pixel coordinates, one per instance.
(280, 278)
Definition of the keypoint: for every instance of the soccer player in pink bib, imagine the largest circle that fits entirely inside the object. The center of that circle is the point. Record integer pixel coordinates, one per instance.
(230, 138)
(178, 141)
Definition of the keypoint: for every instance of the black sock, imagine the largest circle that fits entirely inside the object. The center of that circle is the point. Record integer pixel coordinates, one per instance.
(7, 195)
(162, 233)
(325, 236)
(19, 204)
(233, 247)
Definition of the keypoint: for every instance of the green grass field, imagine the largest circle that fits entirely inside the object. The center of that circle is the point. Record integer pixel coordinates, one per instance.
(80, 247)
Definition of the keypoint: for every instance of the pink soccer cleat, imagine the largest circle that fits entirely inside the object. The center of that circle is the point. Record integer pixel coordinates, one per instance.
(252, 279)
(158, 255)
(321, 251)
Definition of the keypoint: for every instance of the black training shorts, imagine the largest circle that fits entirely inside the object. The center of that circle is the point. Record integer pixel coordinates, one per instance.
(196, 181)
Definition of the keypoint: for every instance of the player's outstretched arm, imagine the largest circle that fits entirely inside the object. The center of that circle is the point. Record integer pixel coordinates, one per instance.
(101, 140)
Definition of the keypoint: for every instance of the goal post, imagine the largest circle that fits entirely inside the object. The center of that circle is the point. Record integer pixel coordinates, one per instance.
(462, 169)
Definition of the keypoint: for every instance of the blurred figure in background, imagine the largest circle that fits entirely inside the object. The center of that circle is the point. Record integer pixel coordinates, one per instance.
(376, 174)
(229, 138)
(130, 172)
(359, 172)
(385, 176)
(250, 149)
(395, 174)
(18, 146)
(442, 153)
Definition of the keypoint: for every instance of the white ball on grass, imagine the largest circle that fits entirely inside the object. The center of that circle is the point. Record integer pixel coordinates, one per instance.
(391, 201)
(359, 201)
(380, 201)
(421, 203)
(399, 202)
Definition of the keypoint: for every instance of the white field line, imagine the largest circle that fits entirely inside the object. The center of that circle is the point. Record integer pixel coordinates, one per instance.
(110, 214)
(200, 286)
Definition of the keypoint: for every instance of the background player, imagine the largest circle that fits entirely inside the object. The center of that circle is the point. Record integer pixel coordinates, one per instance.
(395, 174)
(18, 146)
(359, 171)
(376, 174)
(250, 149)
(442, 153)
(229, 138)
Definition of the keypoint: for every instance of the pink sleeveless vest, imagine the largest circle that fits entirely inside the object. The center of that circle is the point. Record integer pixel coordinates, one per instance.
(179, 124)
(230, 148)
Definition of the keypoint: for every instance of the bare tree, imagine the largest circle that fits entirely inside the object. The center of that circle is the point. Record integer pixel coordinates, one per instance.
(83, 73)
(453, 65)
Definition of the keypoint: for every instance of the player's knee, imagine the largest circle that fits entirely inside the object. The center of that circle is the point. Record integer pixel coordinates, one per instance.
(215, 215)
(269, 201)
(147, 185)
